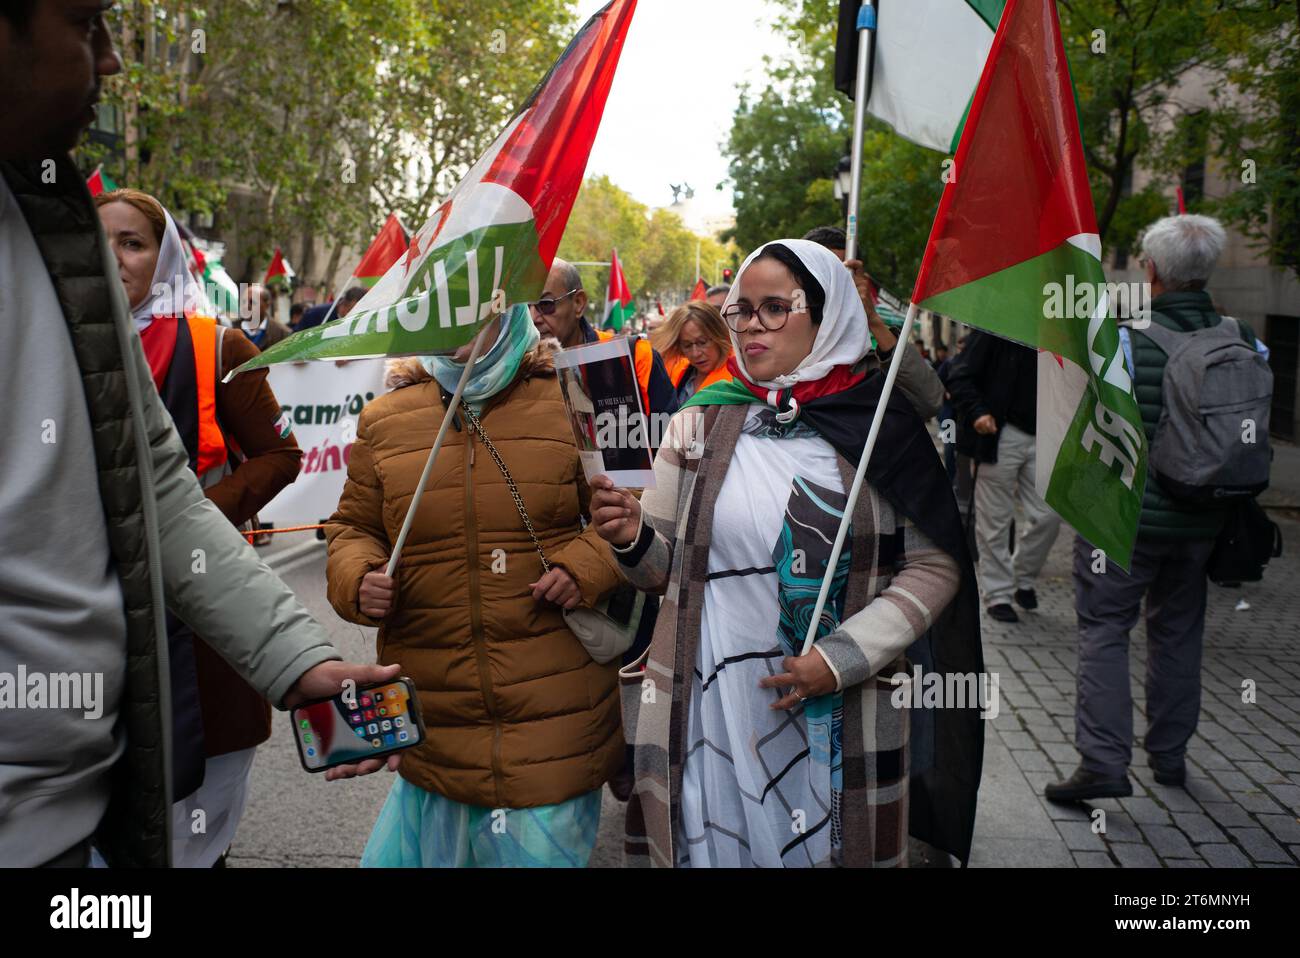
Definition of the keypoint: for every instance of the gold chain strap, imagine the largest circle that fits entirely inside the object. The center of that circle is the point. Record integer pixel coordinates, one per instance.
(477, 427)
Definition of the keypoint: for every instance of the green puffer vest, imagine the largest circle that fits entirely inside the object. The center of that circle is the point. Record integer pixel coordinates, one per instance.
(1186, 311)
(66, 229)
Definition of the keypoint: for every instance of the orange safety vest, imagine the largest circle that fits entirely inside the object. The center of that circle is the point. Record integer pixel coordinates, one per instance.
(644, 361)
(211, 441)
(676, 368)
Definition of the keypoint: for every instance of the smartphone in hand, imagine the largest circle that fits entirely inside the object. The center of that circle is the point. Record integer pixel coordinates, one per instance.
(370, 721)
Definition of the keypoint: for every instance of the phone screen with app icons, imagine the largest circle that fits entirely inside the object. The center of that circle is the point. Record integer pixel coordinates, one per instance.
(376, 722)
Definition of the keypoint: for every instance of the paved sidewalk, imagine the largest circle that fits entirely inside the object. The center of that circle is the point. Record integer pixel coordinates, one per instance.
(1242, 798)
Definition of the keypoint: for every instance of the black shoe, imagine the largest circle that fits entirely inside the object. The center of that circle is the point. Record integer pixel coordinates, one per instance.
(1003, 612)
(1173, 774)
(1084, 785)
(1026, 599)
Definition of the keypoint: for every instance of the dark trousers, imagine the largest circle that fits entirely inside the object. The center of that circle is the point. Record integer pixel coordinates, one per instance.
(1171, 575)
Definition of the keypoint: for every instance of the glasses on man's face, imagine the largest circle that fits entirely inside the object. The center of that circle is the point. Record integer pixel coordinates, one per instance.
(546, 307)
(772, 314)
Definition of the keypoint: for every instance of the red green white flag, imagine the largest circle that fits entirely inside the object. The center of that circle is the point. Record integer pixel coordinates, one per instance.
(1014, 250)
(385, 249)
(618, 298)
(279, 269)
(492, 241)
(100, 182)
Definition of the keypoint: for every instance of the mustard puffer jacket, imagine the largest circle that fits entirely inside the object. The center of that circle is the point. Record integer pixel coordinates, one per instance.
(518, 714)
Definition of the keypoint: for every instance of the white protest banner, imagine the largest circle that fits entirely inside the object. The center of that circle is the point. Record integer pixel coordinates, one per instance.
(320, 402)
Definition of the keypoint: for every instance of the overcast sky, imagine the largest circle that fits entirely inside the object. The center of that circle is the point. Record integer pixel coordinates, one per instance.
(675, 93)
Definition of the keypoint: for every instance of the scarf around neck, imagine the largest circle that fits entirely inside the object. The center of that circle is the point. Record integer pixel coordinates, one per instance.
(173, 290)
(496, 369)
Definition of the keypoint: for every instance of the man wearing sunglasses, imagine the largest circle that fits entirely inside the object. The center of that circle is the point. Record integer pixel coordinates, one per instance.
(559, 311)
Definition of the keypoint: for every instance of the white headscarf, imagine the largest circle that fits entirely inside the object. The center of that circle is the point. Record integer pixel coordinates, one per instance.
(173, 288)
(842, 337)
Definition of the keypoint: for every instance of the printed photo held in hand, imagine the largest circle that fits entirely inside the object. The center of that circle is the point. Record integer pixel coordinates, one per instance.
(603, 400)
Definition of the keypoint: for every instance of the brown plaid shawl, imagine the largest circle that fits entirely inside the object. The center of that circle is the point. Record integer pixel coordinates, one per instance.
(876, 774)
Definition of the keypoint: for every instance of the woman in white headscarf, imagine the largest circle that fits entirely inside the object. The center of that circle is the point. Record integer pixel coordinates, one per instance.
(749, 754)
(241, 448)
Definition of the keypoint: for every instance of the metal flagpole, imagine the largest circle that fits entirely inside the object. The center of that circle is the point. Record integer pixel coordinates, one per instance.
(433, 453)
(866, 31)
(858, 477)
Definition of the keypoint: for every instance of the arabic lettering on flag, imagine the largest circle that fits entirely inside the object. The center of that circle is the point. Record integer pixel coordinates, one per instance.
(1016, 227)
(492, 241)
(618, 298)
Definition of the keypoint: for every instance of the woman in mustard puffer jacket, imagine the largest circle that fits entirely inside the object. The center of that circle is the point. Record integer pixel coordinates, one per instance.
(523, 726)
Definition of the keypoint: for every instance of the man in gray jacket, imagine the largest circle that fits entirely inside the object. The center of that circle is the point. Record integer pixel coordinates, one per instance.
(102, 524)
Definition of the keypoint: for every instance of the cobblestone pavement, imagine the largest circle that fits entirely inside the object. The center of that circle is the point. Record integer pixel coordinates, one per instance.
(1242, 798)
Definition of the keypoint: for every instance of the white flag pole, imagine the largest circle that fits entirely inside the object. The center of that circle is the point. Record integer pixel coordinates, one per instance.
(433, 453)
(866, 30)
(859, 476)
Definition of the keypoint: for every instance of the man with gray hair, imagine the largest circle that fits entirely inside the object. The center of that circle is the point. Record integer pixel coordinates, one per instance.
(1170, 555)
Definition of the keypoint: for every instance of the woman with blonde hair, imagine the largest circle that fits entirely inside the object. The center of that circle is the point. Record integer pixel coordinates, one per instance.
(695, 346)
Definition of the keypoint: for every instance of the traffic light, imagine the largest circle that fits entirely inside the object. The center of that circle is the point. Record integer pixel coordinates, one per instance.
(726, 275)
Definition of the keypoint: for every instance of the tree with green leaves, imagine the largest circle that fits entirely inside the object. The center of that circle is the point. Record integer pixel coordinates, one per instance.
(327, 115)
(656, 248)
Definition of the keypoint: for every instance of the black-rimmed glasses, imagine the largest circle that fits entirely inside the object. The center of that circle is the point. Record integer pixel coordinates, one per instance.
(772, 314)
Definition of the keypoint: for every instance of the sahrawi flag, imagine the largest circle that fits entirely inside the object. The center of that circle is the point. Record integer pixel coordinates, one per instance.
(491, 243)
(927, 59)
(385, 249)
(618, 298)
(1014, 251)
(100, 182)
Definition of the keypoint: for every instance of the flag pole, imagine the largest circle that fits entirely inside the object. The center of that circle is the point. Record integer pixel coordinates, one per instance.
(866, 52)
(858, 478)
(433, 453)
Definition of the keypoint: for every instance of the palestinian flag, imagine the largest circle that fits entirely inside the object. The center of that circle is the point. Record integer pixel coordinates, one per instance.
(618, 298)
(1014, 250)
(491, 243)
(927, 59)
(279, 269)
(385, 249)
(100, 182)
(701, 291)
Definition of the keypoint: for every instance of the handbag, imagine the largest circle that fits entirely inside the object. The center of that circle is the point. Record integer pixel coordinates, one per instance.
(1242, 550)
(609, 629)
